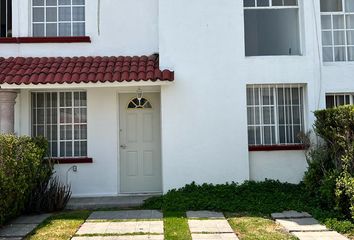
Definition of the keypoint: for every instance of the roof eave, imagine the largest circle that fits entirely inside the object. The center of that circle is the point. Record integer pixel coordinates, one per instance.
(87, 85)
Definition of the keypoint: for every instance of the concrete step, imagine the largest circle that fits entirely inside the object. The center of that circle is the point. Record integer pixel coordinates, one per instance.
(94, 203)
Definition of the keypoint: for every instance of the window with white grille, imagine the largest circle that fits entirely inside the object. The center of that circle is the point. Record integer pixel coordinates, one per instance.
(5, 18)
(61, 117)
(337, 21)
(58, 18)
(271, 27)
(275, 114)
(338, 99)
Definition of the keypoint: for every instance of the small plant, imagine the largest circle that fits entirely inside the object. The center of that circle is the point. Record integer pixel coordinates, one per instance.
(49, 194)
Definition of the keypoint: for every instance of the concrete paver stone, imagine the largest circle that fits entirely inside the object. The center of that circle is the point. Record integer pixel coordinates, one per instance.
(137, 237)
(205, 214)
(319, 236)
(290, 214)
(17, 230)
(301, 224)
(220, 236)
(125, 215)
(209, 226)
(11, 238)
(35, 219)
(121, 227)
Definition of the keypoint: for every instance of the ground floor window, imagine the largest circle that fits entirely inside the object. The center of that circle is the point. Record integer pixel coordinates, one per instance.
(275, 114)
(61, 117)
(335, 100)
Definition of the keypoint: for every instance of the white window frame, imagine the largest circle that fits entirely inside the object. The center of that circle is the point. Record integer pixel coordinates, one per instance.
(298, 7)
(335, 95)
(275, 140)
(58, 123)
(7, 26)
(57, 22)
(273, 7)
(332, 30)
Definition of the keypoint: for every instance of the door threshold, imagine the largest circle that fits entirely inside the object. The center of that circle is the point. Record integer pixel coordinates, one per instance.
(140, 194)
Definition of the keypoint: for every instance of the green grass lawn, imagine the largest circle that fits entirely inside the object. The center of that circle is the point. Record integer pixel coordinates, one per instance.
(176, 226)
(248, 227)
(60, 226)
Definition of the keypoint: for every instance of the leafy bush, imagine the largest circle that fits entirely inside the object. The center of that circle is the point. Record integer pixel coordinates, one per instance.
(263, 197)
(26, 183)
(330, 176)
(20, 158)
(343, 226)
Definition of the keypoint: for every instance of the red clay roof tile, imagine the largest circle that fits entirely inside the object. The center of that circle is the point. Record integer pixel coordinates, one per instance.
(60, 70)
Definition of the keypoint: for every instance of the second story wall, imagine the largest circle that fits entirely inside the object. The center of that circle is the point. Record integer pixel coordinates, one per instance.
(116, 27)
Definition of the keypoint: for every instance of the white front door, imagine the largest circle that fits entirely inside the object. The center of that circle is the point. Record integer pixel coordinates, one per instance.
(140, 143)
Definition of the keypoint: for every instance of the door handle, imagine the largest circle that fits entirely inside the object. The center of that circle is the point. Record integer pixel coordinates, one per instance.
(123, 146)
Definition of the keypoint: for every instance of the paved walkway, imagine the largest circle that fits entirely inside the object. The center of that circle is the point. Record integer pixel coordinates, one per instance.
(205, 225)
(305, 227)
(21, 227)
(134, 224)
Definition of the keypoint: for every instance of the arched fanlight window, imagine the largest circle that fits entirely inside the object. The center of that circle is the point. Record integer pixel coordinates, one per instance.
(141, 103)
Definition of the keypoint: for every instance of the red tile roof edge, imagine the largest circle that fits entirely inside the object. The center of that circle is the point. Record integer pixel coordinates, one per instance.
(59, 70)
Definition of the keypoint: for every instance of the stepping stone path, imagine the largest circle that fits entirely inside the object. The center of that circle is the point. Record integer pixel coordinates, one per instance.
(133, 224)
(205, 225)
(305, 227)
(21, 227)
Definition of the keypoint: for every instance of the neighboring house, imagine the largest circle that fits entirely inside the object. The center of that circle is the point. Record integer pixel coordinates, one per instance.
(141, 96)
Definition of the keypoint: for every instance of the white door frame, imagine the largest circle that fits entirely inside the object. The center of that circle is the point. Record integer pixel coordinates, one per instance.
(127, 91)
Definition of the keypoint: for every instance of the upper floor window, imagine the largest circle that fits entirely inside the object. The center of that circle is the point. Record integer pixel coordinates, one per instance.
(5, 18)
(337, 21)
(338, 99)
(271, 27)
(58, 18)
(275, 114)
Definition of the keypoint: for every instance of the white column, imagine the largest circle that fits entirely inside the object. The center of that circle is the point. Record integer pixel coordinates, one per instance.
(7, 111)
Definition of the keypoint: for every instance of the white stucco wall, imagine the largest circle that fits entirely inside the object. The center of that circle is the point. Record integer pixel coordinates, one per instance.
(285, 166)
(124, 28)
(206, 49)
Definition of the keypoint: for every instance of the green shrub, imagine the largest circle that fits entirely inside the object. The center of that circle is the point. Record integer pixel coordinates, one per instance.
(343, 226)
(330, 176)
(20, 157)
(26, 183)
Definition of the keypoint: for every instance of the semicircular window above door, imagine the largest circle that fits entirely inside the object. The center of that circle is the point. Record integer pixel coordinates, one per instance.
(141, 103)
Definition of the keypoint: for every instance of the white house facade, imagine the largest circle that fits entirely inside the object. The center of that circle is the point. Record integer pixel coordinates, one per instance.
(142, 96)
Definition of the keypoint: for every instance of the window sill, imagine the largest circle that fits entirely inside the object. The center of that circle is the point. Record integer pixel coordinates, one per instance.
(274, 56)
(72, 160)
(269, 148)
(18, 40)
